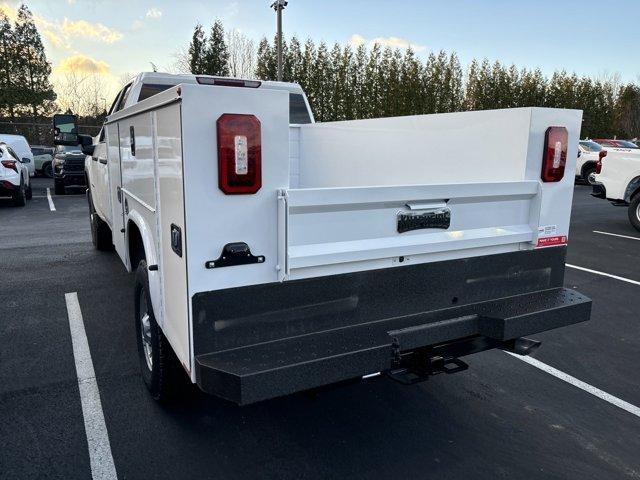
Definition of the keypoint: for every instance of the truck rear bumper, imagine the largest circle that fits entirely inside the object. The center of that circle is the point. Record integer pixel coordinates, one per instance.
(329, 340)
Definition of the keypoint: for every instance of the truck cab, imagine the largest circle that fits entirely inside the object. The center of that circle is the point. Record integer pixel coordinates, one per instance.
(148, 84)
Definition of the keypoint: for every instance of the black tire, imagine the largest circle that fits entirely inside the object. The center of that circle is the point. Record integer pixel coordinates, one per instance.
(47, 170)
(100, 232)
(58, 188)
(586, 174)
(161, 371)
(20, 197)
(634, 211)
(29, 192)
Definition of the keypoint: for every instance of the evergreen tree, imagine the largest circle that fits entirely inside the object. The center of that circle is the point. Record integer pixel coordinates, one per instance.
(357, 71)
(371, 87)
(308, 71)
(32, 68)
(265, 64)
(627, 116)
(8, 56)
(216, 55)
(197, 51)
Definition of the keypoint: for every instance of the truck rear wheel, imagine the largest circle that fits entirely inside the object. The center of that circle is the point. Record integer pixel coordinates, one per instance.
(634, 211)
(161, 371)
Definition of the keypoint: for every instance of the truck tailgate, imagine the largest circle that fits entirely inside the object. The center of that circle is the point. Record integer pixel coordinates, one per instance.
(326, 231)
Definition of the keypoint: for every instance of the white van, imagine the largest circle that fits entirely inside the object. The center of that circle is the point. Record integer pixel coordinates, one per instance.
(20, 145)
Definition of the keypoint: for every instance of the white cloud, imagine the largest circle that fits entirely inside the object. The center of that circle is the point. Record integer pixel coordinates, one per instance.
(79, 63)
(154, 13)
(62, 34)
(394, 42)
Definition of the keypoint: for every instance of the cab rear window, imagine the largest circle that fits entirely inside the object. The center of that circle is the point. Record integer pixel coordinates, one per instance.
(298, 112)
(150, 89)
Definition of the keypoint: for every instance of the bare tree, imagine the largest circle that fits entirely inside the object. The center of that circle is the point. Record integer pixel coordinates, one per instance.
(181, 62)
(242, 54)
(82, 93)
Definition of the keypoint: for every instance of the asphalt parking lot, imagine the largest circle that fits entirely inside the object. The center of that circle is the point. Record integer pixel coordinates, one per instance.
(502, 418)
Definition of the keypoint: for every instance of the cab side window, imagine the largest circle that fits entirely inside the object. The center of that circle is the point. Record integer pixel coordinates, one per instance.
(123, 97)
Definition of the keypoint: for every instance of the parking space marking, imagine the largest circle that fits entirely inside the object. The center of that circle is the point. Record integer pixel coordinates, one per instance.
(616, 235)
(100, 458)
(616, 277)
(607, 397)
(52, 207)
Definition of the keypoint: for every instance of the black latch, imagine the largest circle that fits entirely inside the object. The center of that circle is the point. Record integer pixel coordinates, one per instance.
(237, 253)
(176, 239)
(132, 140)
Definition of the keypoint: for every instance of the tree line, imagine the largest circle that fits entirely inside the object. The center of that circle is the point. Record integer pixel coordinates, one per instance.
(25, 89)
(344, 82)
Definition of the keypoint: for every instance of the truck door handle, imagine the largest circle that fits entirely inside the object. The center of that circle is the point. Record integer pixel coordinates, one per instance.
(176, 239)
(119, 193)
(102, 160)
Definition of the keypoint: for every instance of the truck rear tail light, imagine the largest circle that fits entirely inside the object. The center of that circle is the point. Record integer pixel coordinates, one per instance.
(10, 164)
(555, 154)
(228, 82)
(601, 155)
(239, 154)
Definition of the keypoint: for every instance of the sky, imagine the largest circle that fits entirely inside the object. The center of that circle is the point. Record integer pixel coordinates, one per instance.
(116, 37)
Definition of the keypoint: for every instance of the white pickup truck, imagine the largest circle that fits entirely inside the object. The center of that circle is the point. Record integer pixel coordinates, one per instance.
(617, 179)
(273, 254)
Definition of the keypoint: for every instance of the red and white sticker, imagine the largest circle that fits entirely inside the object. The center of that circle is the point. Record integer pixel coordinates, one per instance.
(552, 241)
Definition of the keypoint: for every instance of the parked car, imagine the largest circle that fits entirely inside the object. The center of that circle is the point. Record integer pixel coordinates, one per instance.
(613, 143)
(273, 255)
(20, 145)
(43, 158)
(617, 179)
(68, 169)
(589, 152)
(15, 181)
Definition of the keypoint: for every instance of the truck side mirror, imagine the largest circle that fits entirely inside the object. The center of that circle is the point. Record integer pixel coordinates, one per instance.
(65, 130)
(86, 144)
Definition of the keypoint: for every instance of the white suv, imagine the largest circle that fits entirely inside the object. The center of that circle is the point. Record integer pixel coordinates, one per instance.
(15, 181)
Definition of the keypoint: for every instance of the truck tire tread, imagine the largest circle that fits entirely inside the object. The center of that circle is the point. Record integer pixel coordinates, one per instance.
(167, 380)
(634, 211)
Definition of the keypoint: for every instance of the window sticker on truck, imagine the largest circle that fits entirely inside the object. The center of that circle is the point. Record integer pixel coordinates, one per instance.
(547, 230)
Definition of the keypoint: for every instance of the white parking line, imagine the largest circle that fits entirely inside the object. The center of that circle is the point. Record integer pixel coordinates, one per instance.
(52, 207)
(601, 394)
(616, 235)
(616, 277)
(100, 458)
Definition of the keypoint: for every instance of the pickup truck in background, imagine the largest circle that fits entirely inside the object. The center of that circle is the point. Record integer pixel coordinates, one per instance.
(589, 154)
(273, 254)
(617, 179)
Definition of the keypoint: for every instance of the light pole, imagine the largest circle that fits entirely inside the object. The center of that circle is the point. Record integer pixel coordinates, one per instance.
(278, 6)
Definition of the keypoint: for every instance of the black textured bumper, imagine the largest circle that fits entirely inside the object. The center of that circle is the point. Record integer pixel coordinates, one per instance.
(260, 342)
(75, 179)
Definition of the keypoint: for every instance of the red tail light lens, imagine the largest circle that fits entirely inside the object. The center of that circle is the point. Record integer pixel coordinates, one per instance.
(239, 154)
(601, 155)
(10, 164)
(555, 154)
